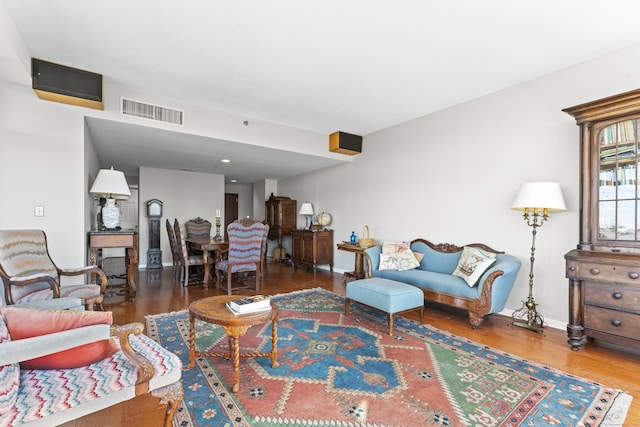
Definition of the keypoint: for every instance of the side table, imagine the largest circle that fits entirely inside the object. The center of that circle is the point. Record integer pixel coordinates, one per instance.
(214, 310)
(127, 239)
(358, 269)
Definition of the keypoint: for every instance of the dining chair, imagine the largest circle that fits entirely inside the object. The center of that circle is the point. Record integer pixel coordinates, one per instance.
(263, 257)
(196, 227)
(173, 244)
(186, 260)
(244, 254)
(29, 275)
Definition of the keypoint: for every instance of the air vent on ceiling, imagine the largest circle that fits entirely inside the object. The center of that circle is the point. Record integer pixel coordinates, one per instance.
(152, 112)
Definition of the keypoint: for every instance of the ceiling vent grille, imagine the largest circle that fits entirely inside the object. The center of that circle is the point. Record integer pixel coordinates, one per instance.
(152, 112)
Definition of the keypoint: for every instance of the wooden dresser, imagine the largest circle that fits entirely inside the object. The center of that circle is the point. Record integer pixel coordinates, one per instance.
(604, 297)
(312, 248)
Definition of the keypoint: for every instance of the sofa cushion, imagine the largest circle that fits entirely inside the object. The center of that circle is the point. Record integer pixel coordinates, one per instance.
(9, 376)
(473, 263)
(27, 323)
(437, 282)
(394, 247)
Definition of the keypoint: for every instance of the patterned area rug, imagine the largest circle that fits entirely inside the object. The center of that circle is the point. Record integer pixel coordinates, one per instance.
(338, 370)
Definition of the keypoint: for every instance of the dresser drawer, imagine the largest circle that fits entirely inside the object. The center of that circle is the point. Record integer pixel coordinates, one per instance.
(620, 297)
(603, 272)
(612, 322)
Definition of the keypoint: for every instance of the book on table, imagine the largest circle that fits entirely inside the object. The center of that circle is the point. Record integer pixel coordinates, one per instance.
(250, 304)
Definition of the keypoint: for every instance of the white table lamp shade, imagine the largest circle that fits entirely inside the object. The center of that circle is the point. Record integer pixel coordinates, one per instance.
(306, 209)
(111, 183)
(540, 195)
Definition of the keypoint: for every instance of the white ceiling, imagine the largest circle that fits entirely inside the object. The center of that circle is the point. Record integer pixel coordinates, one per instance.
(351, 65)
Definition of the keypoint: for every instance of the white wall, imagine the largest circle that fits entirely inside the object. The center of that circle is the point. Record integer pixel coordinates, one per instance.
(452, 176)
(185, 195)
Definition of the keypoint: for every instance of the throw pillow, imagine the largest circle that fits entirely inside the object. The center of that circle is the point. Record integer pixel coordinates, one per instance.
(27, 323)
(406, 260)
(393, 247)
(387, 262)
(9, 376)
(472, 265)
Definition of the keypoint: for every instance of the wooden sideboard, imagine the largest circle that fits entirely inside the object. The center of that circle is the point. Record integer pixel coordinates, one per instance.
(312, 248)
(604, 297)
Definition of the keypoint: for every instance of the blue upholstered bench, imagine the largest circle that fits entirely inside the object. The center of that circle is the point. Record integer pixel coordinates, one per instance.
(387, 295)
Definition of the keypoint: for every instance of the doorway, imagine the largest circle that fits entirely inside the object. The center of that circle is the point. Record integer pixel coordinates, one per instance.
(230, 211)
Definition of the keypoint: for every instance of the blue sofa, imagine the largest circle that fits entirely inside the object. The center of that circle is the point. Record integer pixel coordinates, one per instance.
(434, 277)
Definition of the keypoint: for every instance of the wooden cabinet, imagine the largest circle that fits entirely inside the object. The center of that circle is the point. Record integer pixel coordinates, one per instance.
(281, 217)
(312, 248)
(604, 270)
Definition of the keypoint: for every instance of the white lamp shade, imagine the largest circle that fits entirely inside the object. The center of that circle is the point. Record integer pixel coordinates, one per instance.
(306, 209)
(111, 183)
(541, 195)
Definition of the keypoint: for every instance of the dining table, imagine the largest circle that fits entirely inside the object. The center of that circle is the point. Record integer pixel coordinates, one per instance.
(210, 247)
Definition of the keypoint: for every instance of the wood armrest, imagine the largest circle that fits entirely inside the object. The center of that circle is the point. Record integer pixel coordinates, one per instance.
(33, 278)
(143, 366)
(86, 270)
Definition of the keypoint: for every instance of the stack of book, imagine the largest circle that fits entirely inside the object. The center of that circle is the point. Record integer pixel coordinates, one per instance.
(250, 305)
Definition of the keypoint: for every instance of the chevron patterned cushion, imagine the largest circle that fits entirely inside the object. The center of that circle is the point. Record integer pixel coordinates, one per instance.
(45, 393)
(9, 376)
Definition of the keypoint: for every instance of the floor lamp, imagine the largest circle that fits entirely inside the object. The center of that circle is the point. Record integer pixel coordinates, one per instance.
(536, 199)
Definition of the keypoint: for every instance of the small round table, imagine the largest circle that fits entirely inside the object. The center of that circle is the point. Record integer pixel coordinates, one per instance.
(214, 310)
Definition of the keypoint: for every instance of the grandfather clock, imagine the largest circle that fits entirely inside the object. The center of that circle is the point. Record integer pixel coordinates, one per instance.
(154, 254)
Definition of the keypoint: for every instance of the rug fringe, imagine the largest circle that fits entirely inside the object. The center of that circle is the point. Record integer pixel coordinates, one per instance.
(152, 316)
(184, 310)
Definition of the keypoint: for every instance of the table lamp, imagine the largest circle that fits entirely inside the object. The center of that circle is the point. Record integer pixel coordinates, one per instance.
(113, 185)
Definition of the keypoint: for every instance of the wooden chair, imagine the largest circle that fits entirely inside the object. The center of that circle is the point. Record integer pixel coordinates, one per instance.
(186, 260)
(30, 276)
(243, 255)
(177, 264)
(197, 227)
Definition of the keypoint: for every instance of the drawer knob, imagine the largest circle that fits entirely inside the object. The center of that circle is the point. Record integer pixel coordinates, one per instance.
(595, 271)
(616, 322)
(634, 275)
(572, 268)
(617, 295)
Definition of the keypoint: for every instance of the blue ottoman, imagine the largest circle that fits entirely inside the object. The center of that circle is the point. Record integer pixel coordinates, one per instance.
(387, 295)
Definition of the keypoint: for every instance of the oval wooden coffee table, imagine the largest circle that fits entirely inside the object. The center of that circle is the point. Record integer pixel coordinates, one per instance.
(214, 310)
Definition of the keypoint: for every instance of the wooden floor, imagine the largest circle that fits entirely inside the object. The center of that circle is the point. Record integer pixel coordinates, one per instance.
(157, 293)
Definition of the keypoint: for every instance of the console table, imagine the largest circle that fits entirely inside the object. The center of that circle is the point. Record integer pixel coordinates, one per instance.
(358, 268)
(127, 239)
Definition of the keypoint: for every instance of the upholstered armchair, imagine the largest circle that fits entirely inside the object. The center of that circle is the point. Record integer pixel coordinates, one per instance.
(57, 366)
(243, 255)
(29, 275)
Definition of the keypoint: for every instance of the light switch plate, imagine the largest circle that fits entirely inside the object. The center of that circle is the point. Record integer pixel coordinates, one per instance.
(39, 211)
